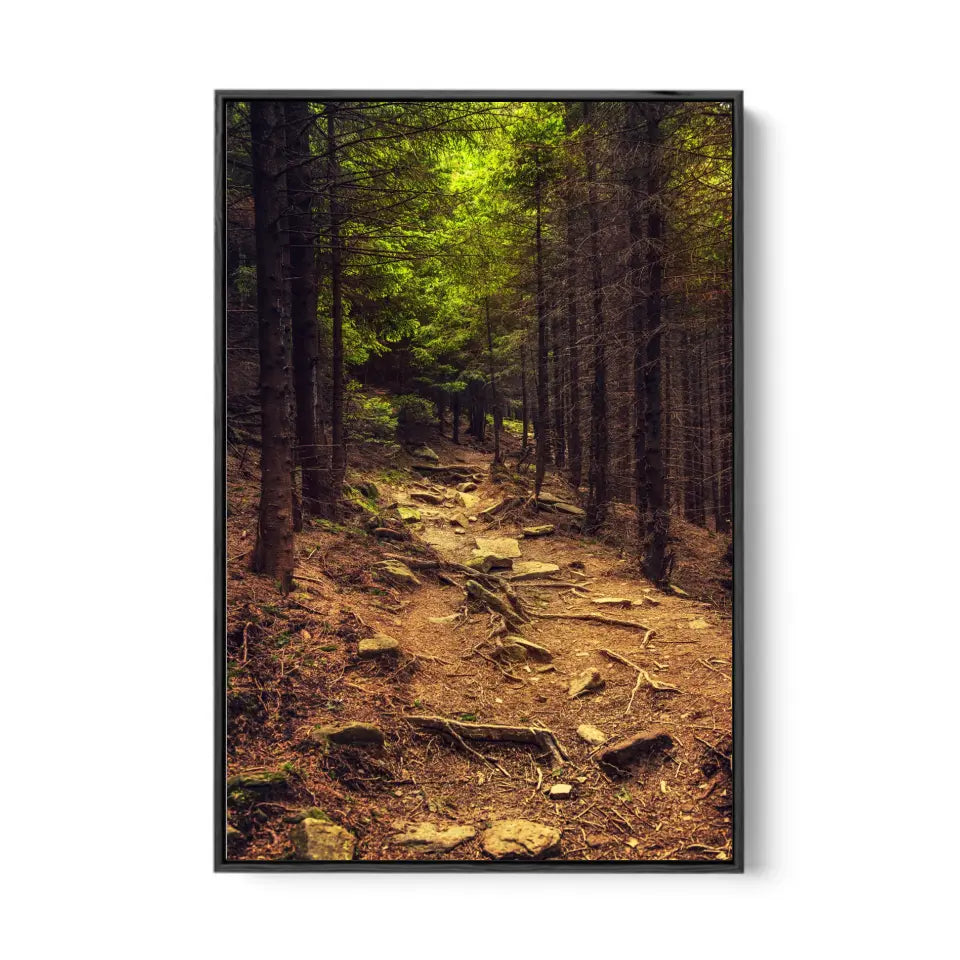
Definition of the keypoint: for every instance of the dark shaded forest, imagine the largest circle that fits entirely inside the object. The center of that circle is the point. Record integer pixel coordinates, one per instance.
(562, 270)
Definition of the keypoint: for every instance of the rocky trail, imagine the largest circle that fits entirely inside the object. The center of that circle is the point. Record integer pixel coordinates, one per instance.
(463, 675)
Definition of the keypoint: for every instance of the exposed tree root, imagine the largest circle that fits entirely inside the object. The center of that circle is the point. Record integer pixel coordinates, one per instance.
(642, 678)
(596, 618)
(494, 732)
(512, 617)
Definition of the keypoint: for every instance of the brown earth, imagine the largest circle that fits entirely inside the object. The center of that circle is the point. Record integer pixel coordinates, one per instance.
(293, 665)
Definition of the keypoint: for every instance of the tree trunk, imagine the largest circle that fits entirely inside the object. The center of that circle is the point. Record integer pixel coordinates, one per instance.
(559, 392)
(273, 554)
(338, 460)
(316, 497)
(635, 205)
(525, 442)
(497, 418)
(543, 413)
(658, 517)
(455, 412)
(599, 445)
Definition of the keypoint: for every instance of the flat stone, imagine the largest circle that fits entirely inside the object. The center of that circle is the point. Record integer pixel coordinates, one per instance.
(531, 570)
(496, 553)
(426, 838)
(351, 733)
(457, 520)
(394, 571)
(467, 486)
(511, 651)
(377, 646)
(468, 501)
(641, 744)
(425, 496)
(591, 734)
(585, 681)
(408, 514)
(615, 602)
(320, 840)
(544, 530)
(258, 780)
(520, 840)
(560, 791)
(425, 453)
(533, 649)
(569, 508)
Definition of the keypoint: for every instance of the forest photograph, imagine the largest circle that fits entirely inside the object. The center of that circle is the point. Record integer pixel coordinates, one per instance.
(477, 479)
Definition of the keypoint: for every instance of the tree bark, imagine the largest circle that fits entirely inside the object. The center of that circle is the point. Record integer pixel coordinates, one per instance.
(338, 457)
(635, 226)
(316, 498)
(658, 517)
(497, 418)
(273, 554)
(599, 443)
(543, 413)
(573, 346)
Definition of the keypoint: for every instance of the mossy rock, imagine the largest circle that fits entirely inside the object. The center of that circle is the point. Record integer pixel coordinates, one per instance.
(308, 813)
(258, 780)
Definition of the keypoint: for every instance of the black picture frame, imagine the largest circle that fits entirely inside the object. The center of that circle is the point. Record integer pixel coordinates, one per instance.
(221, 863)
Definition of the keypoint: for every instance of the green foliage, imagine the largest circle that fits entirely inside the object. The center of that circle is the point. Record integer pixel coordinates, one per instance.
(415, 416)
(245, 282)
(368, 417)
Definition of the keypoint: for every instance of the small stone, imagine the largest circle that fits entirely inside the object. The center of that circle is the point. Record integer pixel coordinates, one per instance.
(233, 833)
(589, 679)
(351, 733)
(544, 530)
(409, 514)
(425, 453)
(311, 813)
(615, 602)
(641, 744)
(496, 553)
(590, 734)
(393, 571)
(385, 533)
(377, 645)
(560, 791)
(570, 509)
(424, 496)
(320, 840)
(520, 840)
(467, 500)
(426, 838)
(467, 486)
(513, 652)
(258, 780)
(533, 649)
(531, 570)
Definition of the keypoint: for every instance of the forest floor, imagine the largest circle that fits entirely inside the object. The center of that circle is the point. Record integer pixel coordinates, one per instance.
(293, 666)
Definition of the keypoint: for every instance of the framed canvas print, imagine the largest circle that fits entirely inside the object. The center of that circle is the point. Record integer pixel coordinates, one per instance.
(478, 479)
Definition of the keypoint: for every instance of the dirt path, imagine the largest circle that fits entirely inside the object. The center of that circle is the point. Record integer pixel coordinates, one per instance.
(674, 804)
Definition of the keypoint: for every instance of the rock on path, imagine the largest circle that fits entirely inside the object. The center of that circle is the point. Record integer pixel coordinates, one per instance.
(319, 840)
(520, 840)
(426, 838)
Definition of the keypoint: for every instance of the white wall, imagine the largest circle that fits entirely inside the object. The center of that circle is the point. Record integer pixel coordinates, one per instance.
(852, 213)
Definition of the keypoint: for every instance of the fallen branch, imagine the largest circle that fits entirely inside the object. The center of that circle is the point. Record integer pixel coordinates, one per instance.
(494, 732)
